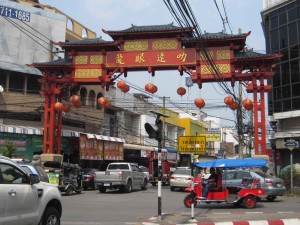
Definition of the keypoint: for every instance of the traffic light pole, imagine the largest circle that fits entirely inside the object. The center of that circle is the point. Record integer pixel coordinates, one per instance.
(159, 178)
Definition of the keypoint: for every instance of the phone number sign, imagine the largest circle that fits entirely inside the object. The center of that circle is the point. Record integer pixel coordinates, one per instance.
(192, 144)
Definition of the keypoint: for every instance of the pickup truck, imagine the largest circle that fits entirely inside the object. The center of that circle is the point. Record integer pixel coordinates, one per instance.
(121, 175)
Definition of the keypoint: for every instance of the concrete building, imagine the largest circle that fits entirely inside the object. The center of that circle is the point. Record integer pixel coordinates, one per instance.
(281, 26)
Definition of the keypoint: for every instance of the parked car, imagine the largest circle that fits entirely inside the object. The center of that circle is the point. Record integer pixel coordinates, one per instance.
(145, 170)
(26, 200)
(88, 178)
(272, 186)
(181, 178)
(34, 169)
(121, 175)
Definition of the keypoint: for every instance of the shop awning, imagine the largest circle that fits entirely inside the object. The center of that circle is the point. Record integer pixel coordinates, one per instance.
(21, 130)
(138, 147)
(171, 150)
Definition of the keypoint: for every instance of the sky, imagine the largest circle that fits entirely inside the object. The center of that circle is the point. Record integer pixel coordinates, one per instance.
(121, 14)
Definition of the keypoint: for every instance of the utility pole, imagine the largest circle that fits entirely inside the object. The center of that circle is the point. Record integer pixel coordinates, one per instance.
(164, 120)
(240, 120)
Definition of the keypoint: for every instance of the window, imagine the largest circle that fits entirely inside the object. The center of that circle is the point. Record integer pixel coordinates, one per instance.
(274, 41)
(242, 174)
(274, 22)
(12, 175)
(292, 14)
(285, 75)
(294, 52)
(286, 91)
(296, 103)
(283, 37)
(295, 72)
(287, 105)
(282, 19)
(293, 34)
(296, 90)
(228, 176)
(277, 107)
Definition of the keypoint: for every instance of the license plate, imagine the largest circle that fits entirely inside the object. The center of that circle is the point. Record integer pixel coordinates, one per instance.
(106, 185)
(279, 185)
(180, 179)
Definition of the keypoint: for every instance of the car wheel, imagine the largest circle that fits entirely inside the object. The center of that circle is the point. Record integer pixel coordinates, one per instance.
(271, 198)
(172, 188)
(50, 217)
(249, 202)
(102, 189)
(69, 191)
(145, 185)
(128, 187)
(187, 201)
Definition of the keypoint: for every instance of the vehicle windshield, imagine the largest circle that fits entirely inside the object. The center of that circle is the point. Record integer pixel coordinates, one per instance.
(118, 167)
(264, 175)
(183, 171)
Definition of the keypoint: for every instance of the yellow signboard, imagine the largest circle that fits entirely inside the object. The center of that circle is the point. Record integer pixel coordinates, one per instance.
(192, 144)
(213, 137)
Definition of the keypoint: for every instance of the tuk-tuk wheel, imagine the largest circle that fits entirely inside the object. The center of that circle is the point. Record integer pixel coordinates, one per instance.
(187, 201)
(249, 202)
(69, 191)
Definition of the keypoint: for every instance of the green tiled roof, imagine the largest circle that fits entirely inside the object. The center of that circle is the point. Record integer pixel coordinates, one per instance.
(86, 41)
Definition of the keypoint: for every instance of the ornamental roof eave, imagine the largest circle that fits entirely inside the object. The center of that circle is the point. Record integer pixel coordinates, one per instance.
(216, 39)
(67, 62)
(250, 54)
(152, 30)
(86, 41)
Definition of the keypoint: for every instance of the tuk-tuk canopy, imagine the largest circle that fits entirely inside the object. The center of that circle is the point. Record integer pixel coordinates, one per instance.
(233, 163)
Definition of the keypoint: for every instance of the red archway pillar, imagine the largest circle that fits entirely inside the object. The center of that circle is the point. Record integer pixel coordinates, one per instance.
(52, 119)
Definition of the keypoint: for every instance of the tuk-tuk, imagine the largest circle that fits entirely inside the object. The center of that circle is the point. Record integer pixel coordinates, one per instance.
(67, 176)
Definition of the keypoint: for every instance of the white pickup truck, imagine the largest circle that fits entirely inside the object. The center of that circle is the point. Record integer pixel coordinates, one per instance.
(121, 175)
(26, 200)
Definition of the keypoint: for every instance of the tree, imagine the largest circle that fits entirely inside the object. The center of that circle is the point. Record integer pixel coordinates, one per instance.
(9, 150)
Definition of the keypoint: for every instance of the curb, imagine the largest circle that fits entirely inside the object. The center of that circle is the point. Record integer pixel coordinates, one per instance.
(295, 221)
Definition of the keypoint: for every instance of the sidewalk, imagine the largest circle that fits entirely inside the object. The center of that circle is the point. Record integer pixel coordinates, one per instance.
(292, 221)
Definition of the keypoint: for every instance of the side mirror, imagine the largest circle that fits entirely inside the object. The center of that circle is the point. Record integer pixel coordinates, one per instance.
(34, 179)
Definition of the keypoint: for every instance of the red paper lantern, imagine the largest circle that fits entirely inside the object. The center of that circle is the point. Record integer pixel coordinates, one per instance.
(58, 106)
(101, 101)
(249, 107)
(150, 87)
(125, 89)
(228, 100)
(121, 84)
(247, 103)
(77, 104)
(234, 106)
(66, 108)
(199, 102)
(74, 98)
(106, 104)
(181, 91)
(154, 90)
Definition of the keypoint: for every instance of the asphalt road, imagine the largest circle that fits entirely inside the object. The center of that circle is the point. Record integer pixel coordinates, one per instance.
(114, 207)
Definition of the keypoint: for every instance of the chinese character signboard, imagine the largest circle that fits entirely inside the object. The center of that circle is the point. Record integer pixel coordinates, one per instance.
(213, 137)
(151, 58)
(192, 144)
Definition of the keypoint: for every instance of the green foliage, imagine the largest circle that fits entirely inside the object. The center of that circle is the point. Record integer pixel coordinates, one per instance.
(9, 150)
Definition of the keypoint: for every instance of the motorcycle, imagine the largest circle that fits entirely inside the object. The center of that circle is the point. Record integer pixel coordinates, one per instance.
(67, 176)
(247, 194)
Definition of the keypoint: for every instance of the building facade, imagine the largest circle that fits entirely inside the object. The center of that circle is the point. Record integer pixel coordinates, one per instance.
(281, 26)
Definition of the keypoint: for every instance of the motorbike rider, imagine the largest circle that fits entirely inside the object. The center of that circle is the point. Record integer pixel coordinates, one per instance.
(211, 182)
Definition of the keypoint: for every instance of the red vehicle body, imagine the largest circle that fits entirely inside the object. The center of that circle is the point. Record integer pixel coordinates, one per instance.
(166, 171)
(246, 196)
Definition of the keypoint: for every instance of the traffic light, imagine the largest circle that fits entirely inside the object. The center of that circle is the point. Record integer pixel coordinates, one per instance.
(154, 131)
